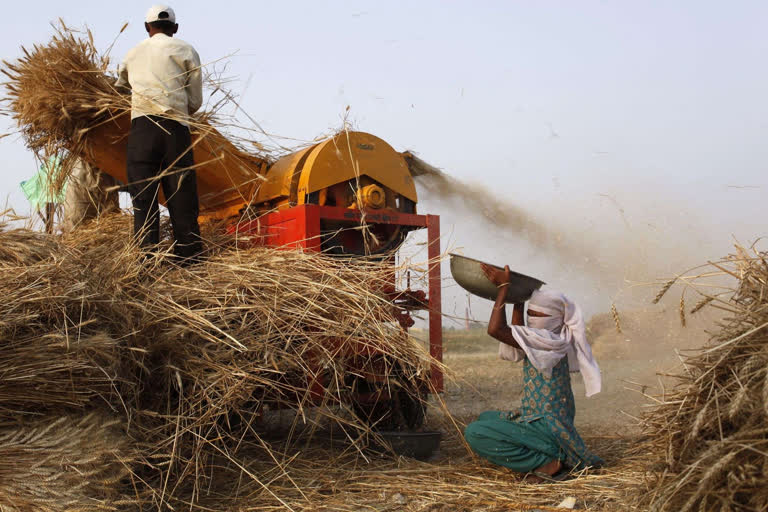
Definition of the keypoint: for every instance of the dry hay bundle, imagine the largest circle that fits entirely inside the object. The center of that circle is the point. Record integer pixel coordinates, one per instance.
(52, 370)
(189, 357)
(712, 429)
(63, 464)
(24, 247)
(59, 91)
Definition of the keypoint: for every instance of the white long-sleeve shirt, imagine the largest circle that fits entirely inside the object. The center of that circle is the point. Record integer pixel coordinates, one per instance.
(164, 76)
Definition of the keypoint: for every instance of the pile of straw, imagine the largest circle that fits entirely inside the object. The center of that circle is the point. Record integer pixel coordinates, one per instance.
(711, 430)
(187, 358)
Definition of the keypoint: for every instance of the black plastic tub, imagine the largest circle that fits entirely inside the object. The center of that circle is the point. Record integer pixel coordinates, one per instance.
(418, 445)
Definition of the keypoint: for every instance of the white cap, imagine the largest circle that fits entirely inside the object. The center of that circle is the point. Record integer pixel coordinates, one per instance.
(160, 13)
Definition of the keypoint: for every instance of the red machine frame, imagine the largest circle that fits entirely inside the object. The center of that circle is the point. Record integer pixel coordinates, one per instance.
(299, 227)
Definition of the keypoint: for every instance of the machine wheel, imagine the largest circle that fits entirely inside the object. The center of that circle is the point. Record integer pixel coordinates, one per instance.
(338, 241)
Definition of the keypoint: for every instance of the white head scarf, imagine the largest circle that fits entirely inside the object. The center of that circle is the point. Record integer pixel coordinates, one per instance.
(547, 340)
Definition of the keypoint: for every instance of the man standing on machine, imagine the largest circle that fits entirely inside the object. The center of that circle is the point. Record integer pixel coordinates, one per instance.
(165, 79)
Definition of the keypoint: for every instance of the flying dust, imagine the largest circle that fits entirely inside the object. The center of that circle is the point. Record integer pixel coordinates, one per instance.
(478, 199)
(601, 262)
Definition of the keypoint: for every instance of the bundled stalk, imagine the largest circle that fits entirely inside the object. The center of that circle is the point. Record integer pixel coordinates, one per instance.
(58, 92)
(64, 464)
(23, 247)
(712, 429)
(53, 371)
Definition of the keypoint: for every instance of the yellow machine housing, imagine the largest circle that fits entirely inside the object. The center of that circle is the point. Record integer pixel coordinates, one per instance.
(352, 169)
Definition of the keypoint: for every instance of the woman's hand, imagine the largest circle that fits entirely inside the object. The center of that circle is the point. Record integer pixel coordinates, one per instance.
(496, 276)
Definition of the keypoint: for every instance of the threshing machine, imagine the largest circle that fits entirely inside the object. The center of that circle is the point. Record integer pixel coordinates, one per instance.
(317, 199)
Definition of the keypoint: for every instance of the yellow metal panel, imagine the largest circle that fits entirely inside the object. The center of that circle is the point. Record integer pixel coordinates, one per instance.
(280, 178)
(226, 175)
(343, 157)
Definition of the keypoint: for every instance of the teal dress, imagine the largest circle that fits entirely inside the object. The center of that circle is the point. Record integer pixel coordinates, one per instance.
(540, 431)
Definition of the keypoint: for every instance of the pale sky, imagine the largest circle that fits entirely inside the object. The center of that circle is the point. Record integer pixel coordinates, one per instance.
(572, 110)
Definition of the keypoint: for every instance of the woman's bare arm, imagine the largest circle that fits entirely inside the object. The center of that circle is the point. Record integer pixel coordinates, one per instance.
(497, 325)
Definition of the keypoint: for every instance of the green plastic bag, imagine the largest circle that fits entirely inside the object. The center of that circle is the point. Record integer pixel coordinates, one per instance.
(38, 190)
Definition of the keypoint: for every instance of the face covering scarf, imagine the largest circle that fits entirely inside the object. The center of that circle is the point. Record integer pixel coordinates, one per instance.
(547, 340)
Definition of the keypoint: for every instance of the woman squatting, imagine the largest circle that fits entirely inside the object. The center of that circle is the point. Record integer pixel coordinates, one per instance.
(539, 438)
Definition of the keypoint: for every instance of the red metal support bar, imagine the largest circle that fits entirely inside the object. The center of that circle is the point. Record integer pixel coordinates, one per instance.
(312, 239)
(435, 299)
(289, 224)
(370, 216)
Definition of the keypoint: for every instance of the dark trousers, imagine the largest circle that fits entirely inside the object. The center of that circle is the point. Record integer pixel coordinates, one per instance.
(157, 149)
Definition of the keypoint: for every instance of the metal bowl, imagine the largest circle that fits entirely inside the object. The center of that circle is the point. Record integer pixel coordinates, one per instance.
(468, 273)
(418, 445)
